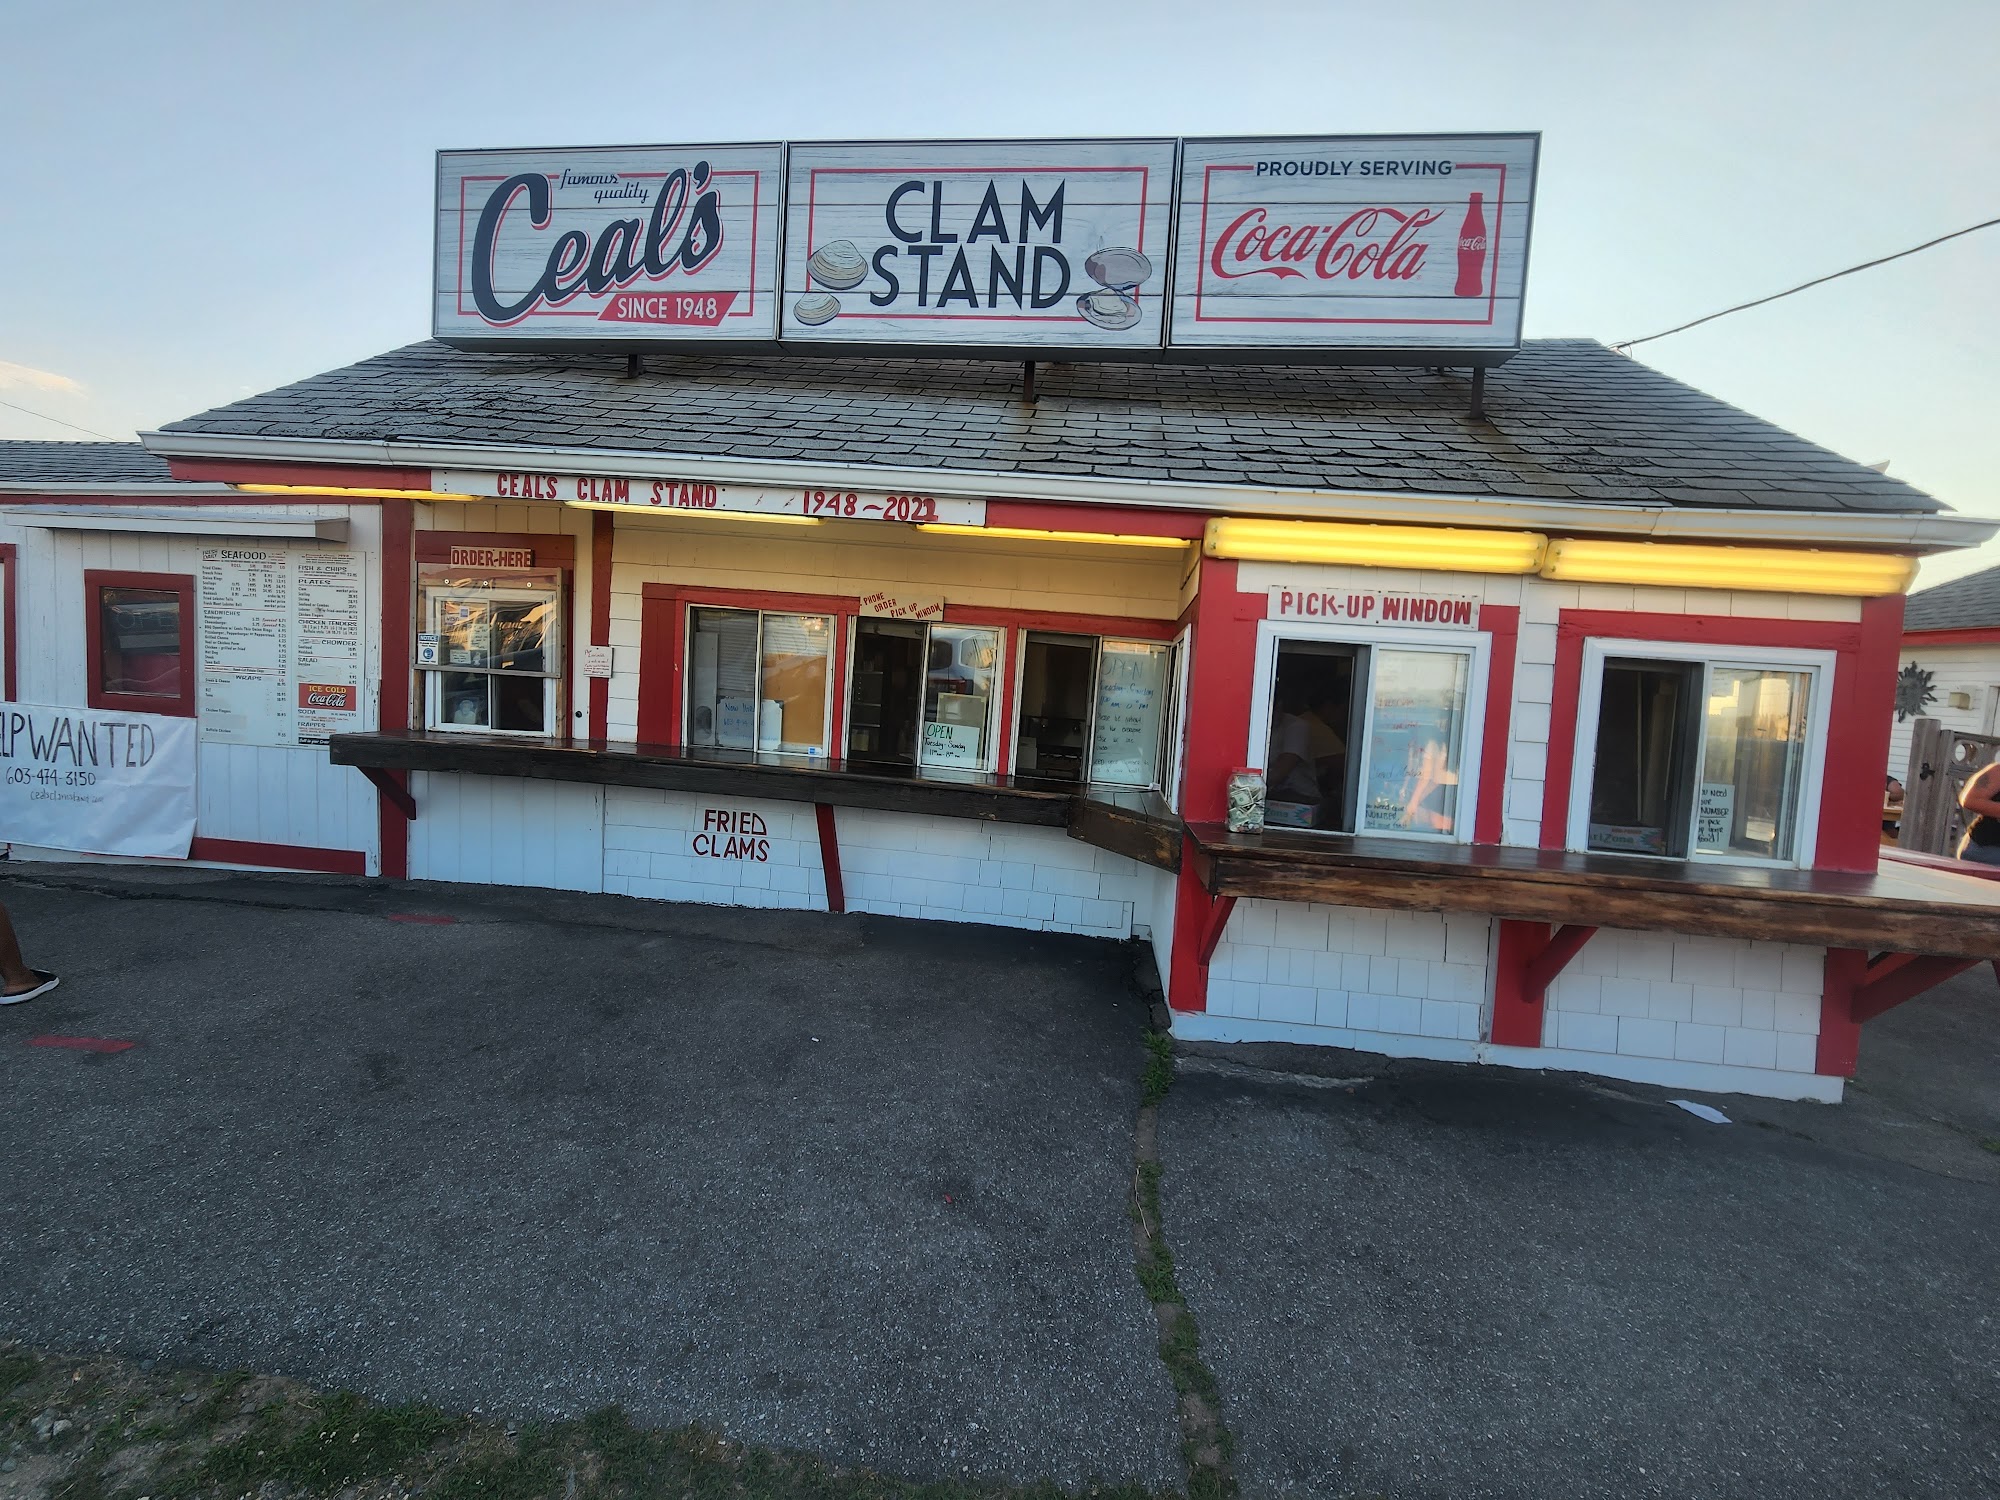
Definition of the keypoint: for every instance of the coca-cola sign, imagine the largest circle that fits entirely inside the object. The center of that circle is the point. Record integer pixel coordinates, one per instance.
(1366, 243)
(665, 243)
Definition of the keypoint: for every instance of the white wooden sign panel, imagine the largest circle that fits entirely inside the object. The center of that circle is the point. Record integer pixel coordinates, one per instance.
(1016, 244)
(1353, 242)
(665, 243)
(97, 781)
(1369, 607)
(646, 494)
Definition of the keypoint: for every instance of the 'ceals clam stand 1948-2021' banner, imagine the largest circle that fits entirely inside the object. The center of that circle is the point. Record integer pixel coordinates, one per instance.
(96, 781)
(1314, 248)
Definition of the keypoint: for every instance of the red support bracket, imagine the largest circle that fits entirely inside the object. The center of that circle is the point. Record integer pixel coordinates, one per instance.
(1211, 931)
(829, 858)
(1859, 989)
(390, 785)
(1531, 956)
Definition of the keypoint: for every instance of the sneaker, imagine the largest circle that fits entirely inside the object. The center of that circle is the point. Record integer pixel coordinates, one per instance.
(48, 982)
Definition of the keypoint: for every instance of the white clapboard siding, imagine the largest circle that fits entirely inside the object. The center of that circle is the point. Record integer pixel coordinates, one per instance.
(259, 794)
(507, 830)
(1972, 670)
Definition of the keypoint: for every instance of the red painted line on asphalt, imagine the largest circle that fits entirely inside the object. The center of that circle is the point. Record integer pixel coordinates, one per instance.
(83, 1043)
(412, 916)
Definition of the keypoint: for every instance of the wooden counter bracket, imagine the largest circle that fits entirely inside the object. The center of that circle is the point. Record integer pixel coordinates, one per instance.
(829, 858)
(1211, 932)
(1531, 956)
(392, 788)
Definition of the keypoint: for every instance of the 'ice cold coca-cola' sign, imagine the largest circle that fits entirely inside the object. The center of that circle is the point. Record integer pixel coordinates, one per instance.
(1418, 242)
(661, 243)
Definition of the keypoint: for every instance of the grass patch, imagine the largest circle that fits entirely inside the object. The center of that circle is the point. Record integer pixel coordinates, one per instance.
(341, 1439)
(1158, 1074)
(1989, 1144)
(245, 1431)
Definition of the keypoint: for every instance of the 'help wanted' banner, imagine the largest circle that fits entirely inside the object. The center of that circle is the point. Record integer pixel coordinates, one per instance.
(96, 781)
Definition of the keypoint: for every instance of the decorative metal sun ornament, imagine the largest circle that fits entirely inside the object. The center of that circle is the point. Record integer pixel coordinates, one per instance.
(1913, 691)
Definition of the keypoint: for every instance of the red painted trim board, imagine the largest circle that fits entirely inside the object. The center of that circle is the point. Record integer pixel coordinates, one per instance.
(829, 858)
(8, 574)
(601, 534)
(1136, 626)
(182, 705)
(348, 476)
(1502, 624)
(1967, 635)
(1043, 515)
(398, 602)
(280, 856)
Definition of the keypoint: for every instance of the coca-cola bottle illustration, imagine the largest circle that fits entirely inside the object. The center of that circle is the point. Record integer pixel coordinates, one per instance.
(1472, 250)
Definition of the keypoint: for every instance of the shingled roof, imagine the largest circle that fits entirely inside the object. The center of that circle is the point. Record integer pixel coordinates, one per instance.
(1973, 600)
(1567, 419)
(70, 465)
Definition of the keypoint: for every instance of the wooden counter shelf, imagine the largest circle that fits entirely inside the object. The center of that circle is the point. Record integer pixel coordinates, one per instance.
(1902, 908)
(717, 773)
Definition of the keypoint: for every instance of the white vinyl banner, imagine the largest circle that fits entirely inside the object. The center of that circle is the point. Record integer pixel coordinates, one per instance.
(96, 781)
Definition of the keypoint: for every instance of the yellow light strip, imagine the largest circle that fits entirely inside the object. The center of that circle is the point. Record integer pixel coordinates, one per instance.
(676, 512)
(1777, 570)
(336, 489)
(1434, 548)
(1025, 534)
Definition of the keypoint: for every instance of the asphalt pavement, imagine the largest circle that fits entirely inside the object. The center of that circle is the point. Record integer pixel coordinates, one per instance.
(858, 1186)
(853, 1185)
(1415, 1280)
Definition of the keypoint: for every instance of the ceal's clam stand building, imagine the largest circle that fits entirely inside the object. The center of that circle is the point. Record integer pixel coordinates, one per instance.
(934, 529)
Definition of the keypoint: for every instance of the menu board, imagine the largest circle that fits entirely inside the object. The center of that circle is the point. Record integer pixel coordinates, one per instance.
(280, 644)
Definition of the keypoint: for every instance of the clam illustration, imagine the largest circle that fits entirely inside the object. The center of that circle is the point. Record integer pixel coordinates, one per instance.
(816, 308)
(1118, 267)
(837, 264)
(1109, 308)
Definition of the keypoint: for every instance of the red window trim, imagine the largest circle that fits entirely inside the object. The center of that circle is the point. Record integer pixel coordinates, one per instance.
(555, 552)
(11, 612)
(1845, 777)
(663, 607)
(1961, 635)
(95, 580)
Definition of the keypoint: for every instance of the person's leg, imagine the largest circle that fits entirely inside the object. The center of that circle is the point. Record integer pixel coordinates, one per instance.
(14, 972)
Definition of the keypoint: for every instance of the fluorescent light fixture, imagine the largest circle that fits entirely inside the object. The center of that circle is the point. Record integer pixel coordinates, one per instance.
(1434, 548)
(619, 508)
(1777, 570)
(1025, 534)
(337, 489)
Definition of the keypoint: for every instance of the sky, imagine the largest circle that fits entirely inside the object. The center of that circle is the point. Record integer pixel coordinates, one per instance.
(202, 201)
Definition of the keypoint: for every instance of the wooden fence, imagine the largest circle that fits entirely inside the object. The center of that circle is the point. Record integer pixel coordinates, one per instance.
(1941, 762)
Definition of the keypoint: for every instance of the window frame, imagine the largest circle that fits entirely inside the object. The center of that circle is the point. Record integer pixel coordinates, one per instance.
(1171, 722)
(1477, 645)
(838, 667)
(95, 581)
(1820, 665)
(555, 682)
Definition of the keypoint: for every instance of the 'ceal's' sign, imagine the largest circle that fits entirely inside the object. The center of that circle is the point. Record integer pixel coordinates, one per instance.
(1318, 248)
(659, 243)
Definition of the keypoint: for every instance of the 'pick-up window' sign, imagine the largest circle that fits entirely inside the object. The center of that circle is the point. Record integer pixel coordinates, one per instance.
(1354, 607)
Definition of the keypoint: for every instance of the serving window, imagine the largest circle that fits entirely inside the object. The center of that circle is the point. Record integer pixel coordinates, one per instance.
(924, 695)
(760, 680)
(1093, 709)
(1368, 732)
(490, 651)
(1680, 755)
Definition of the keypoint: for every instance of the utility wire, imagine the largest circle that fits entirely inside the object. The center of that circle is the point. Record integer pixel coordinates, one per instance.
(58, 421)
(1802, 286)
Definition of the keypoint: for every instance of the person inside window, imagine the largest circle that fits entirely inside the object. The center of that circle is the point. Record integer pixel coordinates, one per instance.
(1289, 773)
(1980, 797)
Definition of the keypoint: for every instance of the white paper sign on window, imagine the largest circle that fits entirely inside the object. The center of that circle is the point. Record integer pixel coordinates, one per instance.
(97, 781)
(1714, 815)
